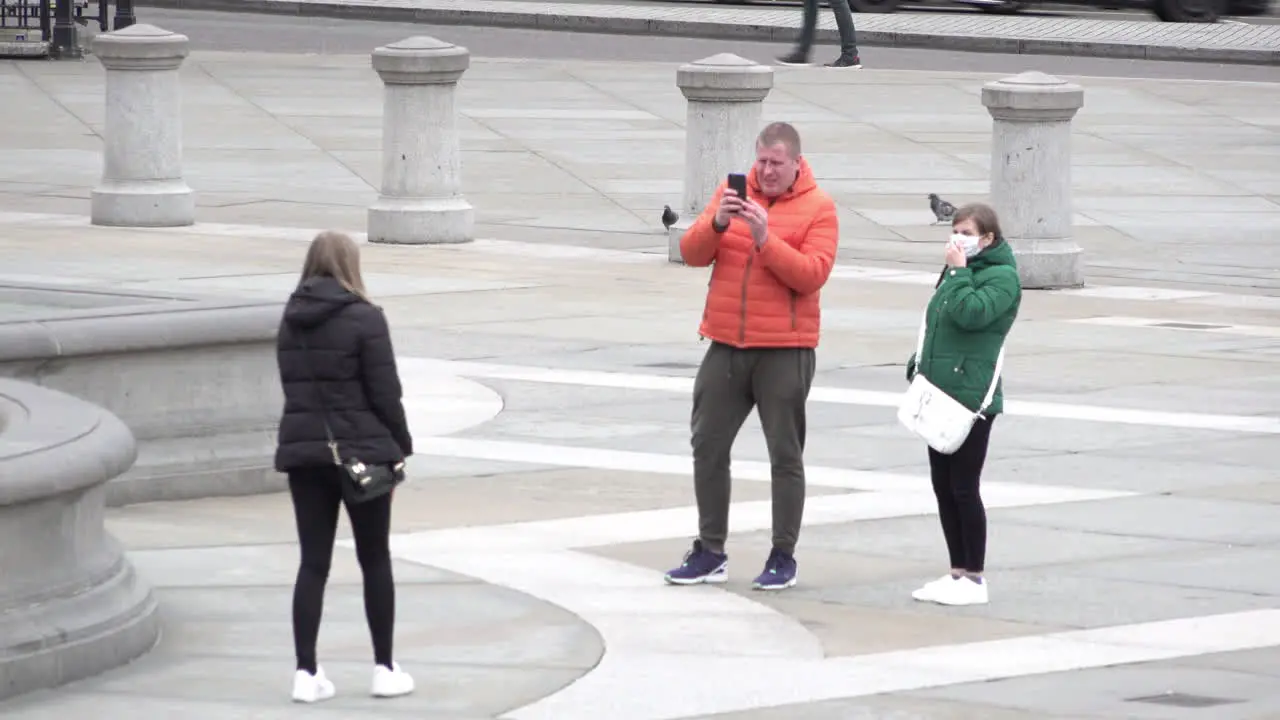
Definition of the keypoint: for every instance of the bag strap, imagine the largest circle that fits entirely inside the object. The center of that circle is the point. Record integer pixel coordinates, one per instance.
(924, 321)
(995, 378)
(324, 407)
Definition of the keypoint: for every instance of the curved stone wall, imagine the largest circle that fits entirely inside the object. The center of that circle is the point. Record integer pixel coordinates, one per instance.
(70, 603)
(194, 379)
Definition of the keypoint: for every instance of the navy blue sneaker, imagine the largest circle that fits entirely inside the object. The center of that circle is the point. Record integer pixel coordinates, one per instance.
(779, 572)
(700, 566)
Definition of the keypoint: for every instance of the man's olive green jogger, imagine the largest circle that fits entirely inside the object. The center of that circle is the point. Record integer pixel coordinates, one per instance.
(731, 381)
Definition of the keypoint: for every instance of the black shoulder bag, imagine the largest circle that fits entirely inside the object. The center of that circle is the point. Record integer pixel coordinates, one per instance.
(361, 482)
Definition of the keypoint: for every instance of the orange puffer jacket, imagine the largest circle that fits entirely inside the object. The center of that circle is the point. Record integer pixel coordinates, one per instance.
(768, 297)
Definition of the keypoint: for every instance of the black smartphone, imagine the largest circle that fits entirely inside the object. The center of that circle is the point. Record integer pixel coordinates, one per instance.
(738, 183)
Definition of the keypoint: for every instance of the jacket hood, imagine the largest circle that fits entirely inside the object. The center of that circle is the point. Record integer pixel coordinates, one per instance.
(316, 300)
(999, 254)
(805, 181)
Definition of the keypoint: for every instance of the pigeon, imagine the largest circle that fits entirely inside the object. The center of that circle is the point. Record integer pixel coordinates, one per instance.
(669, 217)
(942, 210)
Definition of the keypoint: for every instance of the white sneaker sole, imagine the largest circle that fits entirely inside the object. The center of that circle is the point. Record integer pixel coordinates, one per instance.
(321, 696)
(387, 694)
(715, 579)
(761, 586)
(961, 603)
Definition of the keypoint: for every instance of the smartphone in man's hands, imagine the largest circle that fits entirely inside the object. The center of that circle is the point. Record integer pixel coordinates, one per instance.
(738, 184)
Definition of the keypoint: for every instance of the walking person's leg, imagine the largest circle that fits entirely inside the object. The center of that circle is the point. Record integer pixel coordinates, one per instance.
(722, 401)
(371, 530)
(848, 36)
(949, 517)
(799, 54)
(316, 498)
(781, 384)
(966, 473)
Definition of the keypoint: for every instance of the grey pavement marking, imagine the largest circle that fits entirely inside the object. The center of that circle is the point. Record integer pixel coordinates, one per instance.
(1249, 44)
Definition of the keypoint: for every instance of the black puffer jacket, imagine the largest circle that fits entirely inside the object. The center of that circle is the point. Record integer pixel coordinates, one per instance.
(349, 350)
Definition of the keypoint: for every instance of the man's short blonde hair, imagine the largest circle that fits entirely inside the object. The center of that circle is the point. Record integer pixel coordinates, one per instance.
(780, 132)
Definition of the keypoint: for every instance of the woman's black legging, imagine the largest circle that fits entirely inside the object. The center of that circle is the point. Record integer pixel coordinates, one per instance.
(317, 496)
(955, 483)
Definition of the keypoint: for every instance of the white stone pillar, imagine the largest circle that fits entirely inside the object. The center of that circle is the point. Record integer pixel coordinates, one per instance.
(421, 200)
(1031, 174)
(725, 95)
(142, 184)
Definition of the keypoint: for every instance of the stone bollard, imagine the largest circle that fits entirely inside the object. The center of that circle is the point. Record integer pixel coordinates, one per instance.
(421, 199)
(725, 94)
(1031, 174)
(142, 183)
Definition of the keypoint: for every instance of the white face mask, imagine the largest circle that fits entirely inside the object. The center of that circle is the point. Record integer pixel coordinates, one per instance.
(967, 243)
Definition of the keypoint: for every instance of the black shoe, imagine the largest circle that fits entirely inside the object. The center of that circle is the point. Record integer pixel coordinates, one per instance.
(844, 61)
(794, 58)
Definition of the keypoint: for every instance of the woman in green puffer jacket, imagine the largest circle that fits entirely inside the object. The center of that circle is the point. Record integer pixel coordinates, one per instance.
(972, 310)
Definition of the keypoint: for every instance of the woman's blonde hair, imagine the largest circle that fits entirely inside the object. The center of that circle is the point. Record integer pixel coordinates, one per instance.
(336, 255)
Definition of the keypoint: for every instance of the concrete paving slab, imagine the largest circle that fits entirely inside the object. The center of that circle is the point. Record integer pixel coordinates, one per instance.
(1107, 693)
(467, 624)
(1237, 451)
(1246, 570)
(1257, 662)
(1057, 596)
(50, 706)
(1072, 36)
(1149, 475)
(549, 494)
(843, 629)
(1259, 491)
(1215, 521)
(890, 707)
(446, 693)
(320, 153)
(253, 565)
(1012, 546)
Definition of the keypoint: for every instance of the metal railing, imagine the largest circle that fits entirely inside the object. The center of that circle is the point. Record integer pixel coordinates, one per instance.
(20, 18)
(56, 21)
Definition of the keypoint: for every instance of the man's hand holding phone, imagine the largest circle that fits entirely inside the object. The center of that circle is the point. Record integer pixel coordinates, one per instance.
(732, 200)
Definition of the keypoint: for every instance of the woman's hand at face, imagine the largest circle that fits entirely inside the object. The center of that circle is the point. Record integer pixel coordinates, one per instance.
(955, 256)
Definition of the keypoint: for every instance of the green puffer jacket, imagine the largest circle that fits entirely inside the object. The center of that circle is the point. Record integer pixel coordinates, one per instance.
(972, 310)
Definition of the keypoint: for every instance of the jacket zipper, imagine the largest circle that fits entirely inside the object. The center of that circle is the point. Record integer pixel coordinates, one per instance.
(746, 276)
(793, 311)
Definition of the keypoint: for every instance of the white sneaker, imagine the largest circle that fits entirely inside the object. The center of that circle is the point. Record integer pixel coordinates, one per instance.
(964, 591)
(308, 688)
(391, 682)
(929, 591)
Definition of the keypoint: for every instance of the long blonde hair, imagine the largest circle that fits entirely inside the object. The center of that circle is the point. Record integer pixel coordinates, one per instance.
(336, 255)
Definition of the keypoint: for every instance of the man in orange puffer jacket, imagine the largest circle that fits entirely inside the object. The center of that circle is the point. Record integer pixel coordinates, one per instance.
(771, 254)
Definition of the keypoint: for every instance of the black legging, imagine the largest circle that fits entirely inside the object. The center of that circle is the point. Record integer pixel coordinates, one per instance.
(955, 483)
(317, 495)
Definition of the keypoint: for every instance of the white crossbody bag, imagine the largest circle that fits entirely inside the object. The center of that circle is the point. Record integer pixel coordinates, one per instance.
(939, 419)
